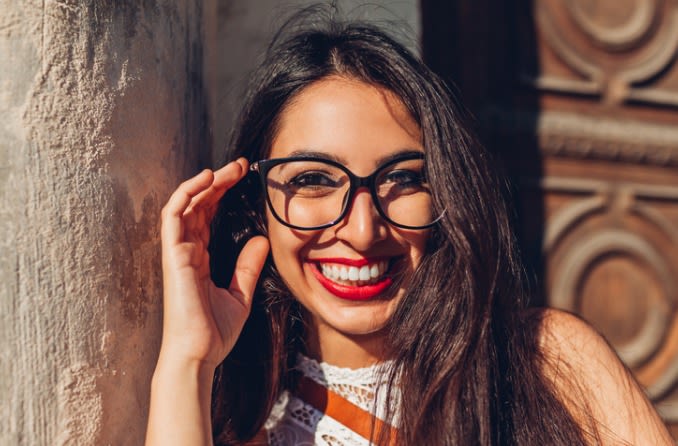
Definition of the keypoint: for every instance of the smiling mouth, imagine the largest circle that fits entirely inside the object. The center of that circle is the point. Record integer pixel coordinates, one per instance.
(353, 279)
(353, 275)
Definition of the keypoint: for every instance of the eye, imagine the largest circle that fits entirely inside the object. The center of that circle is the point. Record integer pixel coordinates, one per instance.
(314, 184)
(313, 179)
(403, 178)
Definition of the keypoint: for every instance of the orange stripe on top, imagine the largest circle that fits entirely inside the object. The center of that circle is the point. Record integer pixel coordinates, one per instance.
(342, 410)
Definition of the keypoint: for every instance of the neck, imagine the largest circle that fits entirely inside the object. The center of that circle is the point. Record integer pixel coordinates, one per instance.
(344, 350)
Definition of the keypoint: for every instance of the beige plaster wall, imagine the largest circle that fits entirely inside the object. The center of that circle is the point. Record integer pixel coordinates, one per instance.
(101, 114)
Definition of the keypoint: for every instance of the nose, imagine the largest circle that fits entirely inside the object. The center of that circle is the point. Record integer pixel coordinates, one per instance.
(362, 226)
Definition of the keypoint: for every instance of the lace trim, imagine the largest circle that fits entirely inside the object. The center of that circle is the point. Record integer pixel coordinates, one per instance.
(298, 423)
(293, 422)
(359, 386)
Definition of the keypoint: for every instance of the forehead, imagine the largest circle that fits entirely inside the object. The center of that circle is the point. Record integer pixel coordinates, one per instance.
(352, 121)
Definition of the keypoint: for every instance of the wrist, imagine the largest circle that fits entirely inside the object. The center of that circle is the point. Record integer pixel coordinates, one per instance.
(179, 412)
(176, 367)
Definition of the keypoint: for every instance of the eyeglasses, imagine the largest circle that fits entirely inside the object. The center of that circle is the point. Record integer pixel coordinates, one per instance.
(308, 193)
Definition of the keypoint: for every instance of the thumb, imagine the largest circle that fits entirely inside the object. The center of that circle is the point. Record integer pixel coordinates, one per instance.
(248, 268)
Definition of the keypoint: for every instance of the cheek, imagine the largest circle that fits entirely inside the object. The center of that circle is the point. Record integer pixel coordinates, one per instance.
(417, 241)
(287, 248)
(283, 247)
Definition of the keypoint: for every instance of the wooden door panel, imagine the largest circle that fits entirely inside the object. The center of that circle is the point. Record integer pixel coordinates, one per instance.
(607, 88)
(579, 100)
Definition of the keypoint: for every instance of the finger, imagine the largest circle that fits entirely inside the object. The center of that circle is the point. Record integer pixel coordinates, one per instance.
(224, 179)
(247, 269)
(210, 212)
(197, 249)
(172, 225)
(204, 230)
(190, 221)
(204, 268)
(199, 219)
(182, 196)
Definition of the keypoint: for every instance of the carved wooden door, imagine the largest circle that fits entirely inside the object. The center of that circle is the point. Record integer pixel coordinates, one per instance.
(579, 99)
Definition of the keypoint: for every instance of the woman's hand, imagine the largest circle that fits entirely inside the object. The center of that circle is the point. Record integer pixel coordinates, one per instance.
(202, 322)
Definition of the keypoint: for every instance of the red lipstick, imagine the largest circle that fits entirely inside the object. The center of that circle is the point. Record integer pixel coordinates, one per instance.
(349, 292)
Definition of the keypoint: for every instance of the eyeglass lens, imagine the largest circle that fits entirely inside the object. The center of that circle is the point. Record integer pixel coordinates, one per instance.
(309, 194)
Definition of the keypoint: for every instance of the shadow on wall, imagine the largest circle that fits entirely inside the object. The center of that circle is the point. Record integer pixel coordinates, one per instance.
(484, 47)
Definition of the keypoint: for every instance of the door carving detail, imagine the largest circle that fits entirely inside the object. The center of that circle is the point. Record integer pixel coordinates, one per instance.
(612, 258)
(609, 49)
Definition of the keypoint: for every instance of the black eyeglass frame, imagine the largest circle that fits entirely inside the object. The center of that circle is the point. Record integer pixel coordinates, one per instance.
(262, 167)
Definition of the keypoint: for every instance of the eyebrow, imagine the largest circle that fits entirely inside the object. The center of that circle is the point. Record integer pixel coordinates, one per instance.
(330, 156)
(314, 154)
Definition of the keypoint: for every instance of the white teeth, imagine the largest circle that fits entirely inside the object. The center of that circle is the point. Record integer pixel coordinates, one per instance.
(364, 273)
(358, 275)
(353, 273)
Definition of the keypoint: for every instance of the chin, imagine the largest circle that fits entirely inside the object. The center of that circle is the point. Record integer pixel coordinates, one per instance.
(353, 318)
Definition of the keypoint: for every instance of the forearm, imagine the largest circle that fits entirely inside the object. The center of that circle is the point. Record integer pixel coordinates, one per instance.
(180, 405)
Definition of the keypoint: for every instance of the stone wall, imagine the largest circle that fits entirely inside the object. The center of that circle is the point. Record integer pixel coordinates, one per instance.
(103, 107)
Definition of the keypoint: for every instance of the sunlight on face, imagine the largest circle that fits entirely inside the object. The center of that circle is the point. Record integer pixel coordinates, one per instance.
(343, 275)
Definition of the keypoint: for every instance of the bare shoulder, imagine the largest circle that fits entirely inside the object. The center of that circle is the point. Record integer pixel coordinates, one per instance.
(594, 384)
(565, 335)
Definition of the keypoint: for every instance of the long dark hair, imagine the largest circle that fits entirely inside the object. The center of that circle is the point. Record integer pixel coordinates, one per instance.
(468, 367)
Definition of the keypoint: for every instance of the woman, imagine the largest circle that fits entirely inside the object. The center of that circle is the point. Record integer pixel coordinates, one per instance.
(392, 279)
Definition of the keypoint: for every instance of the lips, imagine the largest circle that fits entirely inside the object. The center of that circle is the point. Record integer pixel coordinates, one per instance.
(352, 279)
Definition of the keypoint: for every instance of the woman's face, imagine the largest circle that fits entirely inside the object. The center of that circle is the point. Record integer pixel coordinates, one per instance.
(360, 126)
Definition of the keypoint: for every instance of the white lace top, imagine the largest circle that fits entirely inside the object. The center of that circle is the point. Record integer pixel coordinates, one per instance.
(293, 422)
